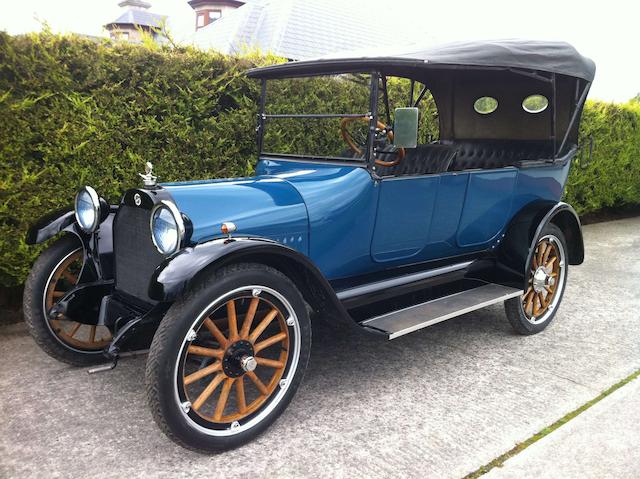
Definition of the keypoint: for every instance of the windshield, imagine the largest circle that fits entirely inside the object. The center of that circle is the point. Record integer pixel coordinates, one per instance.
(327, 117)
(305, 116)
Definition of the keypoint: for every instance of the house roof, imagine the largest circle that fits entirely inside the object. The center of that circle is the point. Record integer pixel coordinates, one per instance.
(294, 29)
(543, 56)
(140, 18)
(134, 3)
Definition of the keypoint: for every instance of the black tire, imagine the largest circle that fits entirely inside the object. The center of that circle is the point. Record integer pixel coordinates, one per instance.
(163, 377)
(33, 305)
(514, 307)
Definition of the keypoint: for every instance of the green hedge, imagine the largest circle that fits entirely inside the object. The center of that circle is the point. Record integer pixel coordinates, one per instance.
(75, 111)
(612, 178)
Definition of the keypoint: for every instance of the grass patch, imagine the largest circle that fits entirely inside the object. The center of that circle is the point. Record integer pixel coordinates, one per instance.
(518, 448)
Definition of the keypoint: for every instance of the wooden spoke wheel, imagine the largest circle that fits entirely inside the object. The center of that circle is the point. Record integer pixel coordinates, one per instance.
(546, 279)
(228, 357)
(235, 358)
(54, 274)
(72, 334)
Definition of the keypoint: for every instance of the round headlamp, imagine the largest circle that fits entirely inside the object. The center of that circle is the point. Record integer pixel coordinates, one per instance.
(87, 209)
(167, 227)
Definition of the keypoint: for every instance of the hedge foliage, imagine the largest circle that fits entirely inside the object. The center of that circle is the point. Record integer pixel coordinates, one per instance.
(75, 111)
(612, 178)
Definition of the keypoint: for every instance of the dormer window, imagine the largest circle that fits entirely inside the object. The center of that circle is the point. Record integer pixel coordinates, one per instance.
(209, 11)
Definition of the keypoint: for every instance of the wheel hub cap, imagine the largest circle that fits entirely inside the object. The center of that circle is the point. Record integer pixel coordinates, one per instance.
(238, 359)
(248, 363)
(540, 279)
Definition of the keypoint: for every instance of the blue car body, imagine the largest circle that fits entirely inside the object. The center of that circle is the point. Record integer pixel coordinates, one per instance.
(349, 223)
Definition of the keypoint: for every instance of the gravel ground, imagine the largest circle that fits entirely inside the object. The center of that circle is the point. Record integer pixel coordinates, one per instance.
(437, 403)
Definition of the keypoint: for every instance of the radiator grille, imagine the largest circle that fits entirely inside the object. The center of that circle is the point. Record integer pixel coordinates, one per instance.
(136, 257)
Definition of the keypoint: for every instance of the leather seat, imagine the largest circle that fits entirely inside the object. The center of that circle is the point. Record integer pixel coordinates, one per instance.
(465, 155)
(423, 160)
(491, 154)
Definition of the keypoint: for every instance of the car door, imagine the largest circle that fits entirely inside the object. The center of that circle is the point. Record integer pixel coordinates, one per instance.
(404, 214)
(420, 218)
(487, 207)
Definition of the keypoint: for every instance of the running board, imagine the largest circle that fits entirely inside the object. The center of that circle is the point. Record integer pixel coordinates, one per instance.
(408, 320)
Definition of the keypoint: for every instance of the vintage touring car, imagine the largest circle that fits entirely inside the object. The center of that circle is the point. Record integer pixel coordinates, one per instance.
(438, 196)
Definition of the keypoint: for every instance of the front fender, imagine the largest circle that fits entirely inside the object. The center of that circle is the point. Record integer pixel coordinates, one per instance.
(174, 275)
(177, 273)
(50, 225)
(98, 247)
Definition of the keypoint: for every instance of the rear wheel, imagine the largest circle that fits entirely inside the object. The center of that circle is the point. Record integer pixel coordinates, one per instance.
(535, 309)
(54, 273)
(228, 358)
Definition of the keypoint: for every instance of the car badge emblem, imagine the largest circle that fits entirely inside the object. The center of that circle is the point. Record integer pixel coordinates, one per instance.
(137, 199)
(148, 178)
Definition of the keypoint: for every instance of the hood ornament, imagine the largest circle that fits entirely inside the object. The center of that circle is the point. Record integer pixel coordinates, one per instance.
(148, 178)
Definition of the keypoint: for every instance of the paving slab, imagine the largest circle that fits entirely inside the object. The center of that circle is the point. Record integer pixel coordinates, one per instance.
(602, 442)
(440, 402)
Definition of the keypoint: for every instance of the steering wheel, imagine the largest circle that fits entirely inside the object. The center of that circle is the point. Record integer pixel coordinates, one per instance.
(358, 149)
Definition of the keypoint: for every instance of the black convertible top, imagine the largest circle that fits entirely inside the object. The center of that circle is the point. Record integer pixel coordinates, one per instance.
(541, 56)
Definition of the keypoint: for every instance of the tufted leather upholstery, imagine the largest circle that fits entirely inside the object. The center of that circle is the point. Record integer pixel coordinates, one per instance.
(423, 160)
(466, 155)
(497, 154)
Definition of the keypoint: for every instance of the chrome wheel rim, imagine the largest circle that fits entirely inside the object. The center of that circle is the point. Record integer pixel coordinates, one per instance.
(78, 337)
(237, 360)
(546, 280)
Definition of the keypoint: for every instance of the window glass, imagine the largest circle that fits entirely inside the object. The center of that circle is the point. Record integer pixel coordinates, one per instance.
(485, 105)
(317, 137)
(200, 20)
(535, 104)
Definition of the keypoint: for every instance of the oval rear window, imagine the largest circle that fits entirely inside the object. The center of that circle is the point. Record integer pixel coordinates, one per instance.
(485, 105)
(535, 104)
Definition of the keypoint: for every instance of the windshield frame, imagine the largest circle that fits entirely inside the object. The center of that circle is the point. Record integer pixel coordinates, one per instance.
(378, 93)
(372, 114)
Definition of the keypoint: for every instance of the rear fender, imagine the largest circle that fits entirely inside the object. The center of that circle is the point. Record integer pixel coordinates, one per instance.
(526, 227)
(177, 273)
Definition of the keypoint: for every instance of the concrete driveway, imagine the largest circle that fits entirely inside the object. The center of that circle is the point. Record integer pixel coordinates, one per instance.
(437, 403)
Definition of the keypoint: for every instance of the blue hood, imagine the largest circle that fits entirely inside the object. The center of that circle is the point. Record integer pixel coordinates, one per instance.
(306, 206)
(260, 206)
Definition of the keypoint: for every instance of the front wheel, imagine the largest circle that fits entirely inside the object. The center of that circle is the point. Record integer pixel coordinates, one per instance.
(54, 273)
(228, 358)
(547, 276)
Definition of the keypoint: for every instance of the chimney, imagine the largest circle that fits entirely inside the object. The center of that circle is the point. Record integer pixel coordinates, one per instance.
(208, 11)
